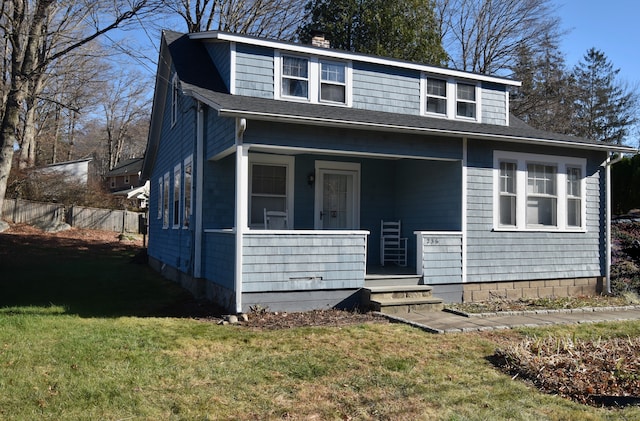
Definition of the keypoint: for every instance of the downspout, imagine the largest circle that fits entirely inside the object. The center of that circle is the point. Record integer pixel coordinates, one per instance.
(199, 163)
(608, 163)
(242, 206)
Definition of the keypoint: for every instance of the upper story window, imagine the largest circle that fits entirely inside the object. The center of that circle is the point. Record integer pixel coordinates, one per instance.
(538, 192)
(333, 83)
(465, 100)
(437, 96)
(312, 79)
(295, 77)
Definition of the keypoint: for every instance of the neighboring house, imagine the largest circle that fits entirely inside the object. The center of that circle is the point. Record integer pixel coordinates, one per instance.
(82, 171)
(125, 175)
(124, 180)
(339, 141)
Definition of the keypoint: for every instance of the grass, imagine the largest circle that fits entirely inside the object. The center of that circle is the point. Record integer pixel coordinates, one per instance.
(78, 341)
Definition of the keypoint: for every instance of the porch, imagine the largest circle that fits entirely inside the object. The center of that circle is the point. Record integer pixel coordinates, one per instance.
(328, 268)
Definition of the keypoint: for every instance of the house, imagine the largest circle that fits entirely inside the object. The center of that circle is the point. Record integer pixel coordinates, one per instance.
(125, 175)
(338, 142)
(83, 171)
(124, 180)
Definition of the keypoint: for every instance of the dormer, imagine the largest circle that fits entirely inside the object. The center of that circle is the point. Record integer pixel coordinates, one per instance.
(316, 74)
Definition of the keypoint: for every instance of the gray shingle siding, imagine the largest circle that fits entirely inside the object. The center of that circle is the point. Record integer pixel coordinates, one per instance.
(384, 89)
(509, 256)
(254, 71)
(221, 55)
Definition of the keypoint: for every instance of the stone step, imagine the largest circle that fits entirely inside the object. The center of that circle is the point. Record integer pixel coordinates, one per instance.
(400, 291)
(407, 305)
(391, 280)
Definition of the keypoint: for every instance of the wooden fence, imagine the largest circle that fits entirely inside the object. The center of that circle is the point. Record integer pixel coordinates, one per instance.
(27, 212)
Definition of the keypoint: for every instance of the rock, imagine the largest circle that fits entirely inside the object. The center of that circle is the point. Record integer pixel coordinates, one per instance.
(232, 319)
(3, 226)
(244, 317)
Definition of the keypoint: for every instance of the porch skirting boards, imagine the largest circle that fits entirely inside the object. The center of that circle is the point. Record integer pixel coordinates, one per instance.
(345, 299)
(548, 288)
(198, 287)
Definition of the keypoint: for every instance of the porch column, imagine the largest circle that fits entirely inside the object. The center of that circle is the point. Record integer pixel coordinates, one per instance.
(242, 205)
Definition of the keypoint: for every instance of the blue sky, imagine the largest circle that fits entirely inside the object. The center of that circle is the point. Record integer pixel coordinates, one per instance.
(612, 27)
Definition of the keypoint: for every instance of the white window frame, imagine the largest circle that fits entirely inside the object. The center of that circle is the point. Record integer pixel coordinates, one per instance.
(426, 97)
(522, 160)
(321, 81)
(314, 79)
(476, 95)
(451, 98)
(160, 197)
(187, 197)
(276, 160)
(174, 99)
(308, 79)
(176, 195)
(165, 201)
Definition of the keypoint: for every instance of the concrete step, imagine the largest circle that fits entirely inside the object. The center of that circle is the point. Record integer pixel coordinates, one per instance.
(407, 305)
(400, 291)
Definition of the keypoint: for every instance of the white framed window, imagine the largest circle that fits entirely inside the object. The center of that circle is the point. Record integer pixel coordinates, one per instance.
(177, 171)
(165, 201)
(333, 82)
(574, 197)
(295, 77)
(466, 100)
(270, 187)
(508, 194)
(160, 197)
(436, 96)
(312, 79)
(174, 100)
(534, 192)
(188, 175)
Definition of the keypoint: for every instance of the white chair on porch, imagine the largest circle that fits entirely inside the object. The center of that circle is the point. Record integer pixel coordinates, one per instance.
(276, 220)
(393, 248)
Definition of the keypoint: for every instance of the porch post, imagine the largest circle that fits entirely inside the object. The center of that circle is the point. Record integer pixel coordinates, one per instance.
(464, 209)
(242, 205)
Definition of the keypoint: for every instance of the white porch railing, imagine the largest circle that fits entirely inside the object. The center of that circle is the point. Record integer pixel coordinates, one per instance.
(439, 256)
(298, 260)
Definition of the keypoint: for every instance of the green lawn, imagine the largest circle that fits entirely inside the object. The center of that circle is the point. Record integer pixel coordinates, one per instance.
(79, 341)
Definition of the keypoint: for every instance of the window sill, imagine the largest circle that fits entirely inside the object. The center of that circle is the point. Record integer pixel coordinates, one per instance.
(541, 229)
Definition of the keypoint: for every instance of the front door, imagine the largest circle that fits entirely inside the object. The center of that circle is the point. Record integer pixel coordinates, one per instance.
(337, 204)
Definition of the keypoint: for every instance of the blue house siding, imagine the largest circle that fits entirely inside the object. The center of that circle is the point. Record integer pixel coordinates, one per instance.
(173, 246)
(514, 256)
(494, 104)
(300, 261)
(254, 71)
(218, 201)
(219, 133)
(220, 53)
(381, 88)
(218, 262)
(360, 141)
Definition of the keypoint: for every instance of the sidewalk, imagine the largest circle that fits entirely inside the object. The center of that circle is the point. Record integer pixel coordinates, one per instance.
(450, 322)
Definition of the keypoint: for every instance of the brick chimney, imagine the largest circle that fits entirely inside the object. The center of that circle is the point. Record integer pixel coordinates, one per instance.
(318, 39)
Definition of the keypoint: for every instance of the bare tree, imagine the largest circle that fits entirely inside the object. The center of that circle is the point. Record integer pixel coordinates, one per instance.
(265, 18)
(34, 46)
(485, 36)
(125, 104)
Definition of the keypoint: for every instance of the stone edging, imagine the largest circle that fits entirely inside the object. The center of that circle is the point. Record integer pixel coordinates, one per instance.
(543, 311)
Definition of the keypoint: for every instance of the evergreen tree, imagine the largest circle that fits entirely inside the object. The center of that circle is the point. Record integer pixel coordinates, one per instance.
(547, 93)
(403, 29)
(604, 109)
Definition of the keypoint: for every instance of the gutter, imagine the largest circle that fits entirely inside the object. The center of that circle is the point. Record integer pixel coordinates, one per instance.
(608, 163)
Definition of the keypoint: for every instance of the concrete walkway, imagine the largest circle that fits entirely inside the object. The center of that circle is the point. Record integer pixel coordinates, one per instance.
(449, 322)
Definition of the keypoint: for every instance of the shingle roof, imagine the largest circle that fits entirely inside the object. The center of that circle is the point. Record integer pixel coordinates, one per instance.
(200, 79)
(128, 166)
